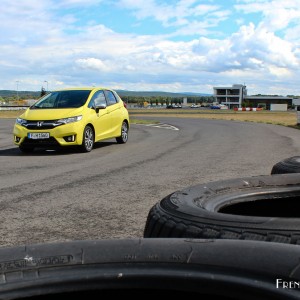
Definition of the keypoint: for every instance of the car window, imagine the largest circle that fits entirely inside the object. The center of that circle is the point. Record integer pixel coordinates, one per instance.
(111, 98)
(97, 99)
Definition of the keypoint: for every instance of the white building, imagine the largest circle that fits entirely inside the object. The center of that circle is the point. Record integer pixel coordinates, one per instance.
(236, 96)
(230, 96)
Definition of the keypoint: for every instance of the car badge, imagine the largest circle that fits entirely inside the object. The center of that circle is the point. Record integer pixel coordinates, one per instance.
(39, 124)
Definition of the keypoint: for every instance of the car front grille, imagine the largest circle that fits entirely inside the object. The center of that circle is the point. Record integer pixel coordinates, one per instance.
(41, 125)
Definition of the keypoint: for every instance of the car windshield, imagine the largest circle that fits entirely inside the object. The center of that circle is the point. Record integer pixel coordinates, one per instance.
(63, 99)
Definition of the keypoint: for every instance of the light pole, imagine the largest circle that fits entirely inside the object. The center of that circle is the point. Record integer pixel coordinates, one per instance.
(47, 84)
(17, 89)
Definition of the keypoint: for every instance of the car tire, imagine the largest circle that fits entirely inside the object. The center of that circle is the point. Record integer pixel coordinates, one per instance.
(88, 139)
(123, 138)
(26, 149)
(265, 208)
(288, 165)
(209, 269)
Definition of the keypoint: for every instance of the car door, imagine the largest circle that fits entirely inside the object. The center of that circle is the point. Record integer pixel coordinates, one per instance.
(114, 111)
(100, 117)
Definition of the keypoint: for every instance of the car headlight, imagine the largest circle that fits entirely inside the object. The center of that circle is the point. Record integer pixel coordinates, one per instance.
(69, 120)
(21, 122)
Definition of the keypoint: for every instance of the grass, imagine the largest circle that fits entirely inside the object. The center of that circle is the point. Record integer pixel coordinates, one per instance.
(288, 118)
(141, 121)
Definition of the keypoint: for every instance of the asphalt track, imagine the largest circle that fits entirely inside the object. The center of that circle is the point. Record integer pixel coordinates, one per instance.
(50, 196)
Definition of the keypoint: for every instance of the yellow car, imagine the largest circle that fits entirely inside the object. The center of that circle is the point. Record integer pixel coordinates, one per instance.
(70, 117)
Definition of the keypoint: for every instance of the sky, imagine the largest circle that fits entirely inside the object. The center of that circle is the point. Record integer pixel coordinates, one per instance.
(151, 45)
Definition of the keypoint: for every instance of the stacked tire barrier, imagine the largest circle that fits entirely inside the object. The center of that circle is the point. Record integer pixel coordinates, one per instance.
(205, 269)
(263, 208)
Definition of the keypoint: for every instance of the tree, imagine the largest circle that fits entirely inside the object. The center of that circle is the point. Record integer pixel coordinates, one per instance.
(43, 91)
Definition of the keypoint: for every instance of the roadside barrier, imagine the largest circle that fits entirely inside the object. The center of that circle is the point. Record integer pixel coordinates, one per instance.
(247, 109)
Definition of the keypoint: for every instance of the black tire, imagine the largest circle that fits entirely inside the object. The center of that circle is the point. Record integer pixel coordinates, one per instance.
(215, 269)
(123, 138)
(88, 139)
(288, 165)
(265, 208)
(26, 149)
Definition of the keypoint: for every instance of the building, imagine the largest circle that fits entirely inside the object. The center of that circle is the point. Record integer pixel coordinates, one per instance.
(296, 103)
(230, 96)
(267, 101)
(236, 96)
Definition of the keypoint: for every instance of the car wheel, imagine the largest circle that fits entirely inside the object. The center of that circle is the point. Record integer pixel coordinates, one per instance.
(26, 149)
(88, 139)
(122, 139)
(205, 269)
(265, 208)
(288, 165)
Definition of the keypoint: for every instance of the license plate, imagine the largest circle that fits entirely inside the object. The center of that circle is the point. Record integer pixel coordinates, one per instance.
(38, 135)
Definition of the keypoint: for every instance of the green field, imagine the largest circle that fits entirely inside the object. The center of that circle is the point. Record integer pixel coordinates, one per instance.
(288, 118)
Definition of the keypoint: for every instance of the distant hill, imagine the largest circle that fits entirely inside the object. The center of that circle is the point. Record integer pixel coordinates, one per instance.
(21, 94)
(34, 94)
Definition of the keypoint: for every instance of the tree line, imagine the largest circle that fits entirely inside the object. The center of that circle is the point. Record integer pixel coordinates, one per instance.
(166, 99)
(12, 96)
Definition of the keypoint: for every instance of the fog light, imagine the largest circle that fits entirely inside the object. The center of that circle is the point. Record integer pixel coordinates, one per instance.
(70, 138)
(17, 139)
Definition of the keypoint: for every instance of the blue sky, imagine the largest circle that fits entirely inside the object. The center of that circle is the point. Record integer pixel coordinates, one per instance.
(174, 46)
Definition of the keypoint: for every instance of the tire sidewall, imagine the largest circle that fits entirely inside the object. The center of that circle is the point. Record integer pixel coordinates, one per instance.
(194, 212)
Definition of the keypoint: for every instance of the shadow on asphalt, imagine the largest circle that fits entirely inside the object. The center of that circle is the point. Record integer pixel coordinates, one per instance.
(50, 152)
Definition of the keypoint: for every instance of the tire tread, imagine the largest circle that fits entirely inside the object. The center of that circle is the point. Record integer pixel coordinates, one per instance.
(160, 225)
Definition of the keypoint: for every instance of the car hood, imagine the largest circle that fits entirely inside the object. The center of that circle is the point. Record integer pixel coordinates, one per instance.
(50, 114)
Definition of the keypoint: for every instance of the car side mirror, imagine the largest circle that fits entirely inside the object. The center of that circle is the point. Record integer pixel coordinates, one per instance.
(101, 106)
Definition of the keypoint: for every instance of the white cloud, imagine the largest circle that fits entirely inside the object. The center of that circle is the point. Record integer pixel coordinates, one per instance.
(93, 64)
(277, 14)
(280, 72)
(81, 3)
(177, 14)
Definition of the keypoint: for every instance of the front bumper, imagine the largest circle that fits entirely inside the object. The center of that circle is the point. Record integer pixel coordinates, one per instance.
(63, 135)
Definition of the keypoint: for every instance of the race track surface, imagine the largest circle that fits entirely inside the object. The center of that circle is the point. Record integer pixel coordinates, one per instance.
(50, 196)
